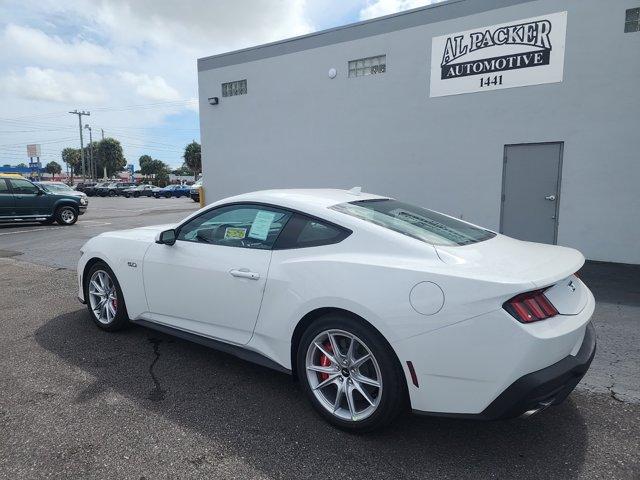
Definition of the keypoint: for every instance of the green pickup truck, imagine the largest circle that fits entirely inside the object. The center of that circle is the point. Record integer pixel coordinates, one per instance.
(23, 201)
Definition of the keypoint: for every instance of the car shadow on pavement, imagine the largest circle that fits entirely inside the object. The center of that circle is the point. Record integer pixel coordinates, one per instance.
(263, 417)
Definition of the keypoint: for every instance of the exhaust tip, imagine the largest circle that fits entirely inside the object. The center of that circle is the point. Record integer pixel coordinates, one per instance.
(540, 407)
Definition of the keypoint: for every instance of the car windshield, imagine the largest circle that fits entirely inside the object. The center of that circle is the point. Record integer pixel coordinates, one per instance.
(57, 187)
(416, 222)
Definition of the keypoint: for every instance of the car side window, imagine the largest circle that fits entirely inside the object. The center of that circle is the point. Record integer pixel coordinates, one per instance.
(4, 188)
(303, 232)
(245, 226)
(22, 187)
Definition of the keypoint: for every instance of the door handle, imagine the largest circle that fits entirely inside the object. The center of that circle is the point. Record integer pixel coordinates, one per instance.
(244, 273)
(551, 198)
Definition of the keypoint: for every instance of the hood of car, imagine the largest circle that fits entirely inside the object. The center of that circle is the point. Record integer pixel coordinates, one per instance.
(142, 233)
(71, 195)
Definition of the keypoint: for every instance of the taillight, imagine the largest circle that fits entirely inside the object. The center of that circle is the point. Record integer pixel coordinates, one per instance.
(530, 307)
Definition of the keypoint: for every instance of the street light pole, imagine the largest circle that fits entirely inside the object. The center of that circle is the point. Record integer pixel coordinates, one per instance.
(92, 166)
(80, 114)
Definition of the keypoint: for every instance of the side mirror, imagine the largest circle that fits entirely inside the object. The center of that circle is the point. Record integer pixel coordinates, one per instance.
(168, 237)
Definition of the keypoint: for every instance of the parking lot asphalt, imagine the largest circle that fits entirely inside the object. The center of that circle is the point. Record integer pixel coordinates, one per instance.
(77, 402)
(60, 246)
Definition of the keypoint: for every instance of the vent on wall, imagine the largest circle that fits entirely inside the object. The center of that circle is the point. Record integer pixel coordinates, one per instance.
(368, 66)
(632, 20)
(230, 89)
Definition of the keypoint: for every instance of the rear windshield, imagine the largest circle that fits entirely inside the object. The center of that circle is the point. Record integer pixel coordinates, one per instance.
(416, 222)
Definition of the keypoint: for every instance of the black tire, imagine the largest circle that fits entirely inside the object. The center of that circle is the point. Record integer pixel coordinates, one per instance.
(112, 193)
(136, 195)
(126, 195)
(394, 397)
(66, 215)
(121, 319)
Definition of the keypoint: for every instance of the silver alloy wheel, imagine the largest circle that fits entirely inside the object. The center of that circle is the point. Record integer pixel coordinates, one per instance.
(343, 374)
(103, 297)
(67, 215)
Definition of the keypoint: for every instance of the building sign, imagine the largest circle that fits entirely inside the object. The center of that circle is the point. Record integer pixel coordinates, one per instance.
(33, 150)
(515, 54)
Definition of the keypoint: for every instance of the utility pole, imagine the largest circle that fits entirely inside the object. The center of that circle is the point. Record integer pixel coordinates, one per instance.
(91, 162)
(102, 130)
(80, 114)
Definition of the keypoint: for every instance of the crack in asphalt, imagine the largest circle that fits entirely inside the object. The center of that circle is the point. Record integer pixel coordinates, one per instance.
(157, 393)
(612, 393)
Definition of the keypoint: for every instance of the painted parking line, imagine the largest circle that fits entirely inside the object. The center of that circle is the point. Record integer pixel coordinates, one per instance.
(93, 223)
(27, 231)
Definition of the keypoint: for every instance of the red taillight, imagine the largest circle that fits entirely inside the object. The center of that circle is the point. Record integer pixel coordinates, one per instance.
(530, 307)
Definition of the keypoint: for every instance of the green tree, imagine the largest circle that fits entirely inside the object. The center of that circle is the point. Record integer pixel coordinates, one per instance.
(109, 155)
(192, 157)
(183, 170)
(53, 168)
(143, 161)
(162, 178)
(71, 156)
(21, 165)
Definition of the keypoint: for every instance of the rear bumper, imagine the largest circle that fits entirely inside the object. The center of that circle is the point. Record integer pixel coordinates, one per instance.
(549, 386)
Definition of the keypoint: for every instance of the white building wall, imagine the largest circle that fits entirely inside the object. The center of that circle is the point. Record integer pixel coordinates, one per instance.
(296, 127)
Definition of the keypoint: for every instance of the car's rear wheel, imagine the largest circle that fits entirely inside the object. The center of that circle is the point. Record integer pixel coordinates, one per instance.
(104, 298)
(66, 215)
(350, 373)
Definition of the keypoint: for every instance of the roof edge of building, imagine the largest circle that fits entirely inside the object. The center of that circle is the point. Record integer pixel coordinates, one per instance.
(437, 12)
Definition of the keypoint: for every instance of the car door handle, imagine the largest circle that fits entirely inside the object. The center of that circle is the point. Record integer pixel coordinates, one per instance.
(551, 198)
(244, 273)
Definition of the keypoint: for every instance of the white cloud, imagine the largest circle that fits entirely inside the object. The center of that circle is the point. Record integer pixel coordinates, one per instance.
(36, 83)
(151, 87)
(109, 55)
(379, 8)
(34, 45)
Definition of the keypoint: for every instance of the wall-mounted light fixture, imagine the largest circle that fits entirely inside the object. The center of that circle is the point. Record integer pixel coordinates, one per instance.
(213, 100)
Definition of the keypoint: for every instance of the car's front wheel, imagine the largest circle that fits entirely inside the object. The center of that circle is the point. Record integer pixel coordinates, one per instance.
(350, 373)
(104, 298)
(66, 215)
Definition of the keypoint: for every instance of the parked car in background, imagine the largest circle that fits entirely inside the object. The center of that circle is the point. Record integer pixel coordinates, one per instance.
(114, 189)
(85, 186)
(62, 188)
(92, 189)
(375, 305)
(145, 190)
(194, 191)
(172, 191)
(22, 200)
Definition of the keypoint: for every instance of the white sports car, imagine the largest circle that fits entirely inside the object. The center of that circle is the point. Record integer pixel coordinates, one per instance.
(373, 304)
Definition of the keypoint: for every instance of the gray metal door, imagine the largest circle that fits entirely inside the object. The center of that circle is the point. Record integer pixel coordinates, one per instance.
(531, 191)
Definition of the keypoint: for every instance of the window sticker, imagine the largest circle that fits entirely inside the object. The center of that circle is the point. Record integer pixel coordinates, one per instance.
(234, 233)
(261, 225)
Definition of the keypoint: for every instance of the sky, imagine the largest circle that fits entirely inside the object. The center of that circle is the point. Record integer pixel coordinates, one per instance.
(132, 64)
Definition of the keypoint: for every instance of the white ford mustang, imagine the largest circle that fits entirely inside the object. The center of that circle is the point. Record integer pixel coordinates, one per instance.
(373, 304)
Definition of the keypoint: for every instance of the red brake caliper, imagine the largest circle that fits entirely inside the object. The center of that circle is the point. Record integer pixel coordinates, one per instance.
(324, 360)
